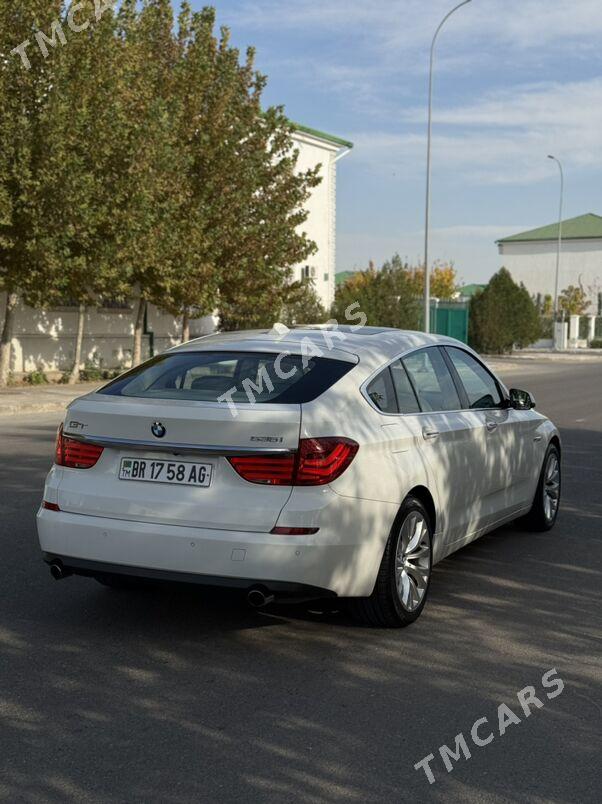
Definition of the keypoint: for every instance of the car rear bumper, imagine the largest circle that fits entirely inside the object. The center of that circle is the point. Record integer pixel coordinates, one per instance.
(99, 569)
(91, 544)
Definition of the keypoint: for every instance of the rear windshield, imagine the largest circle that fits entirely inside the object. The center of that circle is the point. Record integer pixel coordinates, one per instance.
(238, 377)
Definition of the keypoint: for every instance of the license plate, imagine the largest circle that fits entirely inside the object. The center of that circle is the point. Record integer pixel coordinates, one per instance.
(180, 473)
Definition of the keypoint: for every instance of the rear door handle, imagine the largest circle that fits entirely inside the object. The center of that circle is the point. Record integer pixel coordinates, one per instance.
(491, 426)
(430, 435)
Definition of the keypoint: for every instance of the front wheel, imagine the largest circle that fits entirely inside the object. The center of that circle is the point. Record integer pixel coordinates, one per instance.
(405, 572)
(546, 504)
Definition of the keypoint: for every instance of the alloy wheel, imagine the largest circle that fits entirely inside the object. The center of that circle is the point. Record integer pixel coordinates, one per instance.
(551, 487)
(413, 561)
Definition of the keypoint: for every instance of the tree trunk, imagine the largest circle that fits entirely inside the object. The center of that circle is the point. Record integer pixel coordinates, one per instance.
(79, 340)
(6, 337)
(186, 326)
(138, 328)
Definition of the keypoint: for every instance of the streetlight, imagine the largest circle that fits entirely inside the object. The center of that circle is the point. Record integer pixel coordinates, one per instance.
(427, 276)
(558, 250)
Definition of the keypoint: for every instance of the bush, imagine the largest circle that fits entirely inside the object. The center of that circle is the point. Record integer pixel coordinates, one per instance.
(502, 316)
(596, 343)
(36, 378)
(92, 373)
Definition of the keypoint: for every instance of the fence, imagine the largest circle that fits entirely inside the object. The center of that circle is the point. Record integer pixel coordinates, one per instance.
(451, 319)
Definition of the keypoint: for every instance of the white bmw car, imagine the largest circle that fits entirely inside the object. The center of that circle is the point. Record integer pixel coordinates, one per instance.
(302, 464)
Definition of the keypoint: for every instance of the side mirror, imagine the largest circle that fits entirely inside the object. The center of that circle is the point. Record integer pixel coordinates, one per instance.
(521, 400)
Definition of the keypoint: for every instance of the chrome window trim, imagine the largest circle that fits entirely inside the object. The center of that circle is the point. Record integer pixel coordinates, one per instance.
(406, 353)
(176, 449)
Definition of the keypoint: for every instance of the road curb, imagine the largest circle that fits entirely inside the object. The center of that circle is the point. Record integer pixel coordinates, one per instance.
(21, 410)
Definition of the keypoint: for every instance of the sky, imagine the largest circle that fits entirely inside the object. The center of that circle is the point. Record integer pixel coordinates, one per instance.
(515, 80)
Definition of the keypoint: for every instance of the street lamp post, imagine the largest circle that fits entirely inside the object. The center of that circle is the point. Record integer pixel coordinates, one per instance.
(559, 247)
(427, 276)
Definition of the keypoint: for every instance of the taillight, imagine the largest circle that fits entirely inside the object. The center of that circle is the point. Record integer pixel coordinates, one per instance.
(273, 470)
(317, 462)
(74, 454)
(322, 460)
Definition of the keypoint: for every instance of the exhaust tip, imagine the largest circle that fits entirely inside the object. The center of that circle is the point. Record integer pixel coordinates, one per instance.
(59, 572)
(257, 598)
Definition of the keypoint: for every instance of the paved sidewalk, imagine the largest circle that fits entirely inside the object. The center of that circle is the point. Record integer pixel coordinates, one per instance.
(41, 398)
(569, 356)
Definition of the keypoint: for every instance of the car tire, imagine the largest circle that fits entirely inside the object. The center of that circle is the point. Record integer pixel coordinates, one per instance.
(404, 576)
(544, 512)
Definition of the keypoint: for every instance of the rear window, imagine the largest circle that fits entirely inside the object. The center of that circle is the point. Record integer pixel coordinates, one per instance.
(238, 377)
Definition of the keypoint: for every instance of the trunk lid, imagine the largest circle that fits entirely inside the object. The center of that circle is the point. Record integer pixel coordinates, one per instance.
(195, 432)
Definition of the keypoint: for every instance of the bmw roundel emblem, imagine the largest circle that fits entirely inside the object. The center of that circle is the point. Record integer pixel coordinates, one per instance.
(158, 430)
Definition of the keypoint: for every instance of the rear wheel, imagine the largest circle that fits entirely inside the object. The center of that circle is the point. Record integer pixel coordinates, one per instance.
(405, 572)
(544, 512)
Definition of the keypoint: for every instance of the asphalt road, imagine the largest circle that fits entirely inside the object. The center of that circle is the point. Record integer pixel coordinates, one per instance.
(178, 696)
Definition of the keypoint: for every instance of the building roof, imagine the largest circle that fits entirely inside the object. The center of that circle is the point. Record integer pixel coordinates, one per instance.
(321, 135)
(584, 227)
(469, 290)
(342, 276)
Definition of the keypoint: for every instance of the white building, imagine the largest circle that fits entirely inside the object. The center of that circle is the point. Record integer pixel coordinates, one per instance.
(316, 147)
(44, 339)
(531, 257)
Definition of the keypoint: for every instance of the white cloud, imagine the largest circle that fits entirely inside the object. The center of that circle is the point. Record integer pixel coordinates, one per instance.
(408, 24)
(503, 137)
(577, 103)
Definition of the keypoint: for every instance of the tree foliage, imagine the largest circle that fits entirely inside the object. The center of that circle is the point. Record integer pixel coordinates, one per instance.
(392, 296)
(573, 301)
(502, 316)
(136, 162)
(443, 281)
(24, 98)
(302, 305)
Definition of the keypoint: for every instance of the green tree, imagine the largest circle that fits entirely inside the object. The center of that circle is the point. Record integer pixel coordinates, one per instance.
(261, 210)
(148, 159)
(388, 297)
(215, 201)
(502, 316)
(82, 122)
(443, 281)
(302, 305)
(24, 95)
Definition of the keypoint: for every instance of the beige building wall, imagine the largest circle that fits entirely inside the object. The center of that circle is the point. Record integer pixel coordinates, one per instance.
(534, 264)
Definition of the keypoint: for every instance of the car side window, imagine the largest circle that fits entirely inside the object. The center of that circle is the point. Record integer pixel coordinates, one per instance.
(406, 398)
(382, 393)
(481, 388)
(432, 380)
